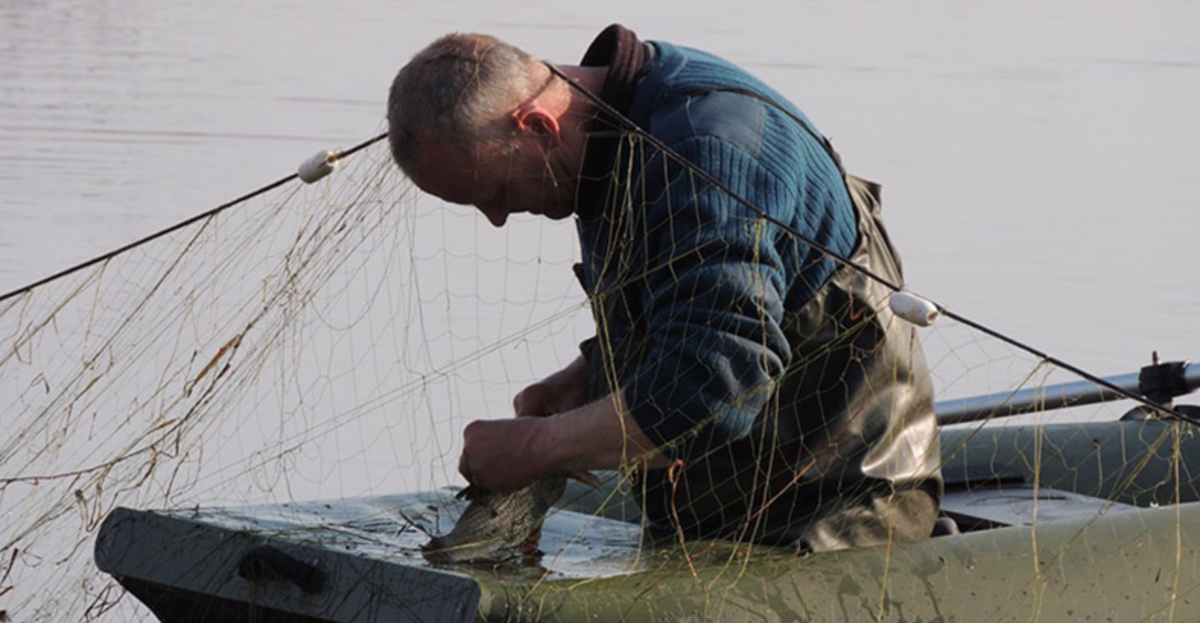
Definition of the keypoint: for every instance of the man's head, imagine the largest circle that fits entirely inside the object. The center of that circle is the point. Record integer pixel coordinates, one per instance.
(476, 121)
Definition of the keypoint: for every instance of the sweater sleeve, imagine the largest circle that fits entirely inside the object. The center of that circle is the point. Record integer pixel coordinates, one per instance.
(712, 300)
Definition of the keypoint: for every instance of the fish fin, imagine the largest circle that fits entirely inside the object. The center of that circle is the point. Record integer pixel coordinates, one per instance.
(586, 477)
(529, 547)
(434, 543)
(434, 551)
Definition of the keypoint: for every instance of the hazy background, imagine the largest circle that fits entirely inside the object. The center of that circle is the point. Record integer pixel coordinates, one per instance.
(1037, 156)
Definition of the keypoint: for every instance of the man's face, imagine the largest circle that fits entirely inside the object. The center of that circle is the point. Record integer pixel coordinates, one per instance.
(517, 177)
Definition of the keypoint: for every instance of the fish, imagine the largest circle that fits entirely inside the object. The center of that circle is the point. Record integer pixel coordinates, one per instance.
(497, 526)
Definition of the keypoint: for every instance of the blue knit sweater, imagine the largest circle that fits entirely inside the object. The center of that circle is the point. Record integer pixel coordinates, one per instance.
(697, 278)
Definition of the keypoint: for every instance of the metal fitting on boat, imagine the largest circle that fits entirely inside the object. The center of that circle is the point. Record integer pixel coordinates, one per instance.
(919, 311)
(319, 165)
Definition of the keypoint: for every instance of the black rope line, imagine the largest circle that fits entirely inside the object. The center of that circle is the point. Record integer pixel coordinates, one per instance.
(361, 146)
(180, 225)
(632, 126)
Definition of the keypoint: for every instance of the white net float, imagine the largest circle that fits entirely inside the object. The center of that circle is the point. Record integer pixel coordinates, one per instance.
(319, 165)
(919, 311)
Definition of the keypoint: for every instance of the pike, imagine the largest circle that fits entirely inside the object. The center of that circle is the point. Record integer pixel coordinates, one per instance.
(494, 525)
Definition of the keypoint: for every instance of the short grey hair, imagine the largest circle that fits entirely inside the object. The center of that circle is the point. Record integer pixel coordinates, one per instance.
(456, 91)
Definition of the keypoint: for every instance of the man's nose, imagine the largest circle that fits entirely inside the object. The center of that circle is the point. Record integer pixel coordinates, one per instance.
(496, 215)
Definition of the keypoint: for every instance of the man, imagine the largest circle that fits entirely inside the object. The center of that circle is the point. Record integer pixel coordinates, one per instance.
(790, 405)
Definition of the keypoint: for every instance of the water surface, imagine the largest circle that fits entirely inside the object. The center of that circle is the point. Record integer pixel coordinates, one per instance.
(1036, 155)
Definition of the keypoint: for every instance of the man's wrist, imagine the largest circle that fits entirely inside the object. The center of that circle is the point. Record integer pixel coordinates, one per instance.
(545, 449)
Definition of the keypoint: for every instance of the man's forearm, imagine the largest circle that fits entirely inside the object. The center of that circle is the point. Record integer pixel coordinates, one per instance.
(599, 435)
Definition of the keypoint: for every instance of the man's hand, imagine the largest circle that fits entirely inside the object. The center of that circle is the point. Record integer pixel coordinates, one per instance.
(562, 391)
(503, 455)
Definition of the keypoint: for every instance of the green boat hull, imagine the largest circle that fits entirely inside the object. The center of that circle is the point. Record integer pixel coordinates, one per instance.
(1104, 527)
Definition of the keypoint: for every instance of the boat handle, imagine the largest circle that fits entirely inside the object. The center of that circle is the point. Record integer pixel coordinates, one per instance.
(267, 563)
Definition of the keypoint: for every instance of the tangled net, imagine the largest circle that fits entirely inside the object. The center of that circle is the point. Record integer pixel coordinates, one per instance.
(331, 341)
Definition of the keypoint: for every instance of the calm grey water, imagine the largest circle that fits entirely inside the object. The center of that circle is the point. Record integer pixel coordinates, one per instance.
(1037, 156)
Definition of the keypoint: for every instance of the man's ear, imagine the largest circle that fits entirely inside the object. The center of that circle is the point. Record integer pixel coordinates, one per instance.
(534, 118)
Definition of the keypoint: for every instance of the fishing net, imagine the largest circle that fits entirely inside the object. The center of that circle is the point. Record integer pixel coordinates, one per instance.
(331, 341)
